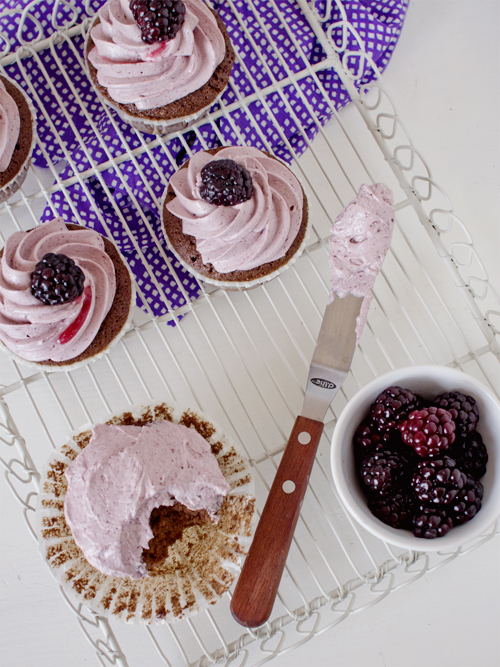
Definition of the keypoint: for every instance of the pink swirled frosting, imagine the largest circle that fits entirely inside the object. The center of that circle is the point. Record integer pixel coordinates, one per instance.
(247, 235)
(10, 124)
(38, 332)
(122, 475)
(360, 238)
(152, 75)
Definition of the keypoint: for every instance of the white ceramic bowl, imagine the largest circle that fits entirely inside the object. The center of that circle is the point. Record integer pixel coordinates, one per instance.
(427, 381)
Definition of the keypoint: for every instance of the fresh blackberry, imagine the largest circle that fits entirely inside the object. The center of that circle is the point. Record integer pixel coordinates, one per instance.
(159, 20)
(225, 183)
(383, 471)
(367, 439)
(394, 509)
(56, 279)
(471, 455)
(438, 481)
(431, 522)
(429, 431)
(393, 405)
(468, 501)
(463, 409)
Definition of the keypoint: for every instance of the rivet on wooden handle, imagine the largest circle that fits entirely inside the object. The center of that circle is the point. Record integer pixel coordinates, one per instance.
(257, 586)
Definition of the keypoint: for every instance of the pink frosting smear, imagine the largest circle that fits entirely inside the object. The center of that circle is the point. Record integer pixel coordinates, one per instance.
(247, 235)
(9, 127)
(38, 332)
(122, 475)
(152, 75)
(360, 238)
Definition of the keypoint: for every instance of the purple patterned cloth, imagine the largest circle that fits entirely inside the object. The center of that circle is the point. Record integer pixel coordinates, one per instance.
(74, 129)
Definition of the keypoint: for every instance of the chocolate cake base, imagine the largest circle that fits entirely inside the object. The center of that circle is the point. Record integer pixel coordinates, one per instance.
(24, 143)
(185, 245)
(117, 316)
(168, 525)
(186, 106)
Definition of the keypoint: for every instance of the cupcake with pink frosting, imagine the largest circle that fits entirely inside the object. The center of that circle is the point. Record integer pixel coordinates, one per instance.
(160, 64)
(235, 217)
(17, 137)
(146, 518)
(65, 296)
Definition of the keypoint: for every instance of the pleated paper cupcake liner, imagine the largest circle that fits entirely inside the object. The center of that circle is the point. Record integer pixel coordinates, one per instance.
(13, 186)
(200, 566)
(162, 127)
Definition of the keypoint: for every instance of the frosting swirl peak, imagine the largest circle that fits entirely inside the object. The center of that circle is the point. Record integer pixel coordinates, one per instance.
(39, 332)
(246, 235)
(153, 75)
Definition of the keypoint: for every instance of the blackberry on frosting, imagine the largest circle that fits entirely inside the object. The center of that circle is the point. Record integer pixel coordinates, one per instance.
(225, 183)
(57, 279)
(159, 20)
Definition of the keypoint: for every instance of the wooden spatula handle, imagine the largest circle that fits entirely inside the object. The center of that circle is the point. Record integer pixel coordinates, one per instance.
(255, 592)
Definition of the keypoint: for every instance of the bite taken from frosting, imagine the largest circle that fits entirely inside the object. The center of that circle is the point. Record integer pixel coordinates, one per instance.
(359, 241)
(123, 474)
(248, 234)
(152, 75)
(29, 326)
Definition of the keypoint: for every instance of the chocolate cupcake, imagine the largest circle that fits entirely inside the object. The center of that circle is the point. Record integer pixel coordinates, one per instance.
(66, 296)
(189, 558)
(159, 79)
(235, 217)
(17, 137)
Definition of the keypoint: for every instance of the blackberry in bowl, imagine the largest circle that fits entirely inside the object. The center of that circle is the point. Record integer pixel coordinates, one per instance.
(442, 499)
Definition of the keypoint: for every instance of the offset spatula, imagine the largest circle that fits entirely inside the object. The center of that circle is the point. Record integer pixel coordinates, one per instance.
(258, 583)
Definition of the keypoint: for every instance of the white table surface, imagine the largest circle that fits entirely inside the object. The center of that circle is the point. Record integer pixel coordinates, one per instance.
(445, 81)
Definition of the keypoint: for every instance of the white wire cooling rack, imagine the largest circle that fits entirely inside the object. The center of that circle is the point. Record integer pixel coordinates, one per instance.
(243, 357)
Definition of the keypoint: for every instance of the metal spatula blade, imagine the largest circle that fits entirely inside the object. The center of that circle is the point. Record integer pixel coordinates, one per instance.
(332, 356)
(255, 592)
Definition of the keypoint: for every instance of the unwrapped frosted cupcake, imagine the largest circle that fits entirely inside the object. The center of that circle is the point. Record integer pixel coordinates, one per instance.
(17, 137)
(145, 518)
(235, 217)
(160, 64)
(66, 295)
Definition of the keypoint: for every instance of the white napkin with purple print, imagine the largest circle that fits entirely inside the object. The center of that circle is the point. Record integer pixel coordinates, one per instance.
(135, 189)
